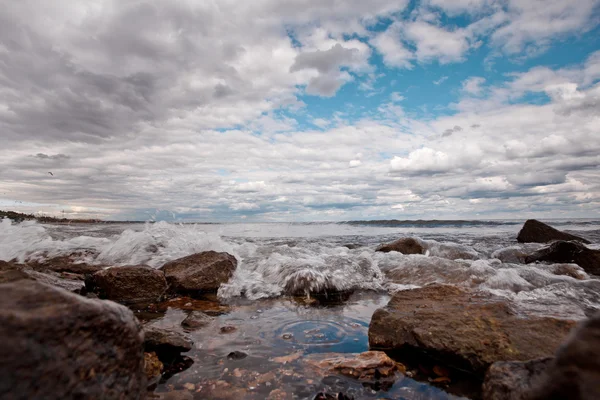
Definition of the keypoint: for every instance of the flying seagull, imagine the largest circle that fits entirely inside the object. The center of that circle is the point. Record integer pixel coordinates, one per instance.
(51, 173)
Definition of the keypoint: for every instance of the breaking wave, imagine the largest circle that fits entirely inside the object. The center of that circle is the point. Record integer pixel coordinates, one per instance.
(312, 264)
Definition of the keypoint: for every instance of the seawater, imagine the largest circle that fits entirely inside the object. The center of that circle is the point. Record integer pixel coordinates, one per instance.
(279, 258)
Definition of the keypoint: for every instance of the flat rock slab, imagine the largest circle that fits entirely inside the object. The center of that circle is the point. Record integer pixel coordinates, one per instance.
(201, 272)
(367, 366)
(467, 330)
(160, 340)
(534, 231)
(59, 345)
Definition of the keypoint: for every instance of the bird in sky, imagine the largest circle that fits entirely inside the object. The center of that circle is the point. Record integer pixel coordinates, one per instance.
(50, 173)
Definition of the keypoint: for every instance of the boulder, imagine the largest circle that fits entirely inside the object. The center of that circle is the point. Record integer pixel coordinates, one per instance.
(201, 272)
(133, 285)
(10, 272)
(405, 246)
(467, 330)
(367, 366)
(165, 341)
(512, 380)
(574, 373)
(534, 231)
(196, 319)
(59, 345)
(568, 252)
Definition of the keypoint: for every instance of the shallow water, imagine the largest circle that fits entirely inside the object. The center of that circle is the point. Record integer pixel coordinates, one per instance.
(277, 335)
(275, 260)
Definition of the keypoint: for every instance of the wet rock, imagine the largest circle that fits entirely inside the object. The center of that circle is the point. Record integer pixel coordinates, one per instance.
(329, 396)
(201, 272)
(68, 263)
(367, 366)
(59, 345)
(405, 246)
(227, 329)
(569, 252)
(10, 272)
(574, 373)
(176, 395)
(512, 380)
(196, 319)
(132, 285)
(466, 330)
(55, 279)
(538, 232)
(153, 367)
(236, 355)
(164, 341)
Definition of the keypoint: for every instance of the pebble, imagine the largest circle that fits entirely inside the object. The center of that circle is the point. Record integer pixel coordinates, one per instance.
(287, 336)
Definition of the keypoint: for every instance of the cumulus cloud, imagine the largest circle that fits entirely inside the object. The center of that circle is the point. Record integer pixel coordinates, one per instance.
(196, 110)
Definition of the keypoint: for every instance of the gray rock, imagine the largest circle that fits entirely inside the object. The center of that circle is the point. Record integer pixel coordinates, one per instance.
(512, 380)
(196, 319)
(161, 340)
(574, 373)
(59, 345)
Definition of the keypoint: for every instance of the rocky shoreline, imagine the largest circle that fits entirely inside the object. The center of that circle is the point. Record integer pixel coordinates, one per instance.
(73, 330)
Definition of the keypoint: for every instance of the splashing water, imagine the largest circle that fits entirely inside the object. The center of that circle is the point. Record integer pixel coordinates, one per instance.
(306, 259)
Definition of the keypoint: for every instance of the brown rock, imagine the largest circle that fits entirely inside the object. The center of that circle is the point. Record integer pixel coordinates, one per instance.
(367, 366)
(538, 232)
(467, 330)
(59, 345)
(569, 252)
(404, 246)
(68, 263)
(512, 380)
(10, 272)
(201, 272)
(152, 366)
(134, 285)
(574, 373)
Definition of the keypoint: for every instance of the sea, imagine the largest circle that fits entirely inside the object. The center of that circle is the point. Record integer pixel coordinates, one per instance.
(275, 259)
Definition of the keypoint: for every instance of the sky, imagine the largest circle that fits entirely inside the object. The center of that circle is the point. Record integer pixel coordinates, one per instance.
(300, 110)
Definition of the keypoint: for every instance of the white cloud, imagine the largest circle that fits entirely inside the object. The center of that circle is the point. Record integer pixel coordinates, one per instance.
(473, 85)
(390, 46)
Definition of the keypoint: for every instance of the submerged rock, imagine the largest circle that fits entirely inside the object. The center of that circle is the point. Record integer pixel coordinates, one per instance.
(569, 252)
(466, 330)
(59, 345)
(196, 319)
(132, 285)
(512, 380)
(538, 232)
(405, 246)
(201, 272)
(236, 355)
(367, 366)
